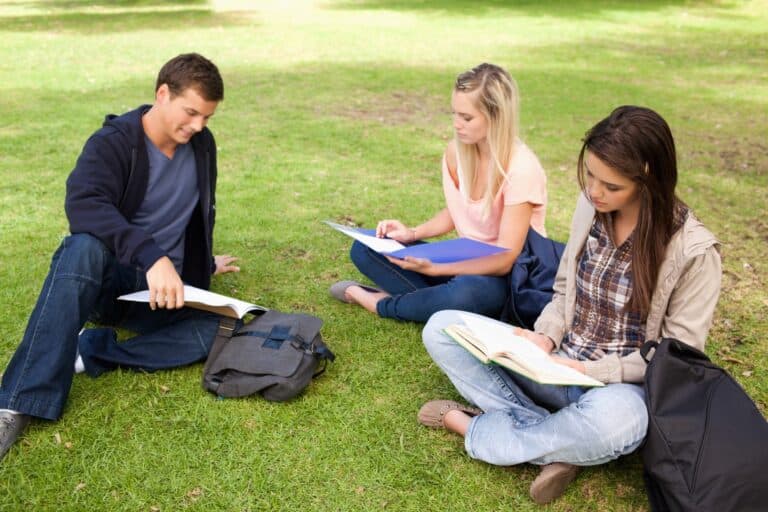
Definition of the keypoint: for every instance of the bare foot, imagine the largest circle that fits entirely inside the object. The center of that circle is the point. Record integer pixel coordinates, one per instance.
(365, 298)
(457, 421)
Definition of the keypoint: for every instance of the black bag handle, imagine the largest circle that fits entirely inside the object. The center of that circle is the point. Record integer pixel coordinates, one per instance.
(646, 348)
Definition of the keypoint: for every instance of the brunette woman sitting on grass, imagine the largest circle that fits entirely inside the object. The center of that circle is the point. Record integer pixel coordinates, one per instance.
(638, 266)
(495, 189)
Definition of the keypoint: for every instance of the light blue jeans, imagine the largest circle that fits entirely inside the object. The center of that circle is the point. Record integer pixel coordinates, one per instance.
(538, 423)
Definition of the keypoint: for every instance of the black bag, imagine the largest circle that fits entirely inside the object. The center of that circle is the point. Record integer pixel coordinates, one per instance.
(707, 443)
(531, 279)
(274, 354)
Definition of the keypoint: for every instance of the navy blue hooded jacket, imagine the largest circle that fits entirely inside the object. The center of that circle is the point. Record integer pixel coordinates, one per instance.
(108, 184)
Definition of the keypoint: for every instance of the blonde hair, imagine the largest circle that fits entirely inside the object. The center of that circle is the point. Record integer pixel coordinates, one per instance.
(497, 100)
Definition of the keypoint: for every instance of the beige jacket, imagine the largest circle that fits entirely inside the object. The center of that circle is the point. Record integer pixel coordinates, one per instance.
(682, 305)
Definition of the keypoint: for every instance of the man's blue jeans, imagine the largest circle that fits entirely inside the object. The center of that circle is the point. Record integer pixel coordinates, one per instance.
(415, 297)
(538, 423)
(83, 283)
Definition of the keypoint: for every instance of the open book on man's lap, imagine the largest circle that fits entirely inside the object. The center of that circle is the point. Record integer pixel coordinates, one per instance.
(492, 342)
(208, 301)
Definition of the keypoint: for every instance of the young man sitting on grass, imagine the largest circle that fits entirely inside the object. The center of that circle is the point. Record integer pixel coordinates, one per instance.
(140, 204)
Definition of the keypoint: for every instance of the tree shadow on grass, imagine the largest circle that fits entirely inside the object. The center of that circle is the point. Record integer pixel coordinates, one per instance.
(577, 9)
(89, 22)
(72, 4)
(369, 98)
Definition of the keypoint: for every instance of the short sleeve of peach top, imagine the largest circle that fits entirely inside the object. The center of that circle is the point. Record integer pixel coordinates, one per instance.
(525, 183)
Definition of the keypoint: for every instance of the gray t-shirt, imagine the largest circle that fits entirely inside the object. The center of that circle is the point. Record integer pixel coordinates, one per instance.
(171, 197)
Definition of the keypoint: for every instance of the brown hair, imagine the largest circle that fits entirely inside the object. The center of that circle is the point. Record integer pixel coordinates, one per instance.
(637, 143)
(192, 70)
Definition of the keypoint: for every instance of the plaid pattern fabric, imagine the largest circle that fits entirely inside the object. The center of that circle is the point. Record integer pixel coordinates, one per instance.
(603, 287)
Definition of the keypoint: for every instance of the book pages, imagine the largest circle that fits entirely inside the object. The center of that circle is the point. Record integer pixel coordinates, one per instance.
(203, 299)
(502, 346)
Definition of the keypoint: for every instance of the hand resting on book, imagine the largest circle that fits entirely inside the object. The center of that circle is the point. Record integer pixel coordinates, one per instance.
(544, 342)
(573, 363)
(547, 345)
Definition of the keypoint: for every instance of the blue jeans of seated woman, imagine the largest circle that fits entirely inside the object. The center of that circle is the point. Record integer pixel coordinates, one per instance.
(83, 283)
(415, 297)
(538, 423)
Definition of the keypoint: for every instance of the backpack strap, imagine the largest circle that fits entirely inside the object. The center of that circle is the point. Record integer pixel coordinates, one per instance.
(278, 334)
(319, 350)
(223, 335)
(325, 353)
(646, 349)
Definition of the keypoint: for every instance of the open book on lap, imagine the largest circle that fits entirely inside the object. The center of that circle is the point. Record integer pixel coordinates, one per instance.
(442, 251)
(493, 342)
(208, 301)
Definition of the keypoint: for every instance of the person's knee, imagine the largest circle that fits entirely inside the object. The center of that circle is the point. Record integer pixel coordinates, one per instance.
(477, 294)
(618, 416)
(634, 410)
(359, 254)
(432, 334)
(80, 252)
(84, 243)
(629, 400)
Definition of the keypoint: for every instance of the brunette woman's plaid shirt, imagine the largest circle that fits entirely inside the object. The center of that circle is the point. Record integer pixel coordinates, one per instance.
(601, 326)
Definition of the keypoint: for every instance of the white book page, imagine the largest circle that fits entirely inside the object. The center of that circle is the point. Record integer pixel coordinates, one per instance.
(462, 336)
(380, 245)
(499, 338)
(193, 294)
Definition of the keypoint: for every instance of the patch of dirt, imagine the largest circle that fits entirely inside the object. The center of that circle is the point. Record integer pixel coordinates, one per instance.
(743, 156)
(293, 254)
(393, 109)
(761, 229)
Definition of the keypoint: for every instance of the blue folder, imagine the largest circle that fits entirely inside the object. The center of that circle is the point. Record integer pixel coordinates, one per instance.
(444, 251)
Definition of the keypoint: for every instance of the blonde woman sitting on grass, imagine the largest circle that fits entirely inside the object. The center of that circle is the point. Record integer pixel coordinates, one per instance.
(495, 189)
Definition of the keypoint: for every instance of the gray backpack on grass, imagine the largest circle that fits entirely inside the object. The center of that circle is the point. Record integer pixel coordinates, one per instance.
(274, 354)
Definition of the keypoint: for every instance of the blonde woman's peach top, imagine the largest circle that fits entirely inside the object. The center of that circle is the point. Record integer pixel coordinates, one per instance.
(525, 183)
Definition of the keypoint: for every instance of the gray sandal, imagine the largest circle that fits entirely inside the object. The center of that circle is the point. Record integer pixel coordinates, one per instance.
(339, 289)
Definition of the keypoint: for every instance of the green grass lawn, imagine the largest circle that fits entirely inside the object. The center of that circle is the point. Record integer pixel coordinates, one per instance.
(340, 110)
